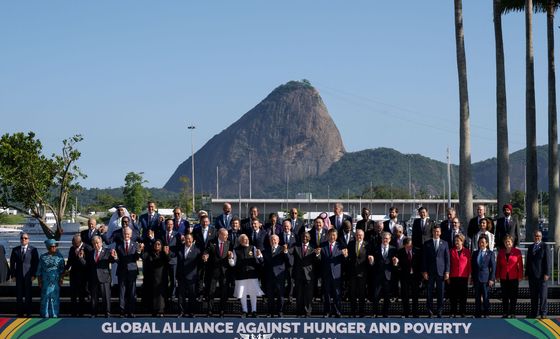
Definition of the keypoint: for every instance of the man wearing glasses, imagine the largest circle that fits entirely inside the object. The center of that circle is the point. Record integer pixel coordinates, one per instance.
(23, 266)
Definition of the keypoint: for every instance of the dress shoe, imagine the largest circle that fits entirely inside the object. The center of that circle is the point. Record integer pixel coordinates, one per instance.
(280, 315)
(92, 316)
(221, 314)
(244, 315)
(542, 316)
(338, 315)
(131, 315)
(180, 315)
(327, 315)
(107, 315)
(209, 314)
(253, 314)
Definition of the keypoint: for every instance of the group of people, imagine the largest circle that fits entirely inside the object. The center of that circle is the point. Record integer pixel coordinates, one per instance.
(330, 258)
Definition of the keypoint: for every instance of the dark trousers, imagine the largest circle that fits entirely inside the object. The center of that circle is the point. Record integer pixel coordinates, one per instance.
(457, 292)
(127, 293)
(331, 290)
(186, 290)
(435, 282)
(304, 297)
(481, 301)
(23, 290)
(171, 272)
(510, 289)
(78, 294)
(358, 294)
(275, 289)
(223, 292)
(539, 293)
(410, 290)
(103, 289)
(290, 283)
(382, 290)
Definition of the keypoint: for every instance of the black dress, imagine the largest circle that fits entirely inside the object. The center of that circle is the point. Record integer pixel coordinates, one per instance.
(156, 279)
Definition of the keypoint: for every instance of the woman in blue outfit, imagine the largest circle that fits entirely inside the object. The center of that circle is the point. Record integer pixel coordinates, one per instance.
(49, 273)
(483, 263)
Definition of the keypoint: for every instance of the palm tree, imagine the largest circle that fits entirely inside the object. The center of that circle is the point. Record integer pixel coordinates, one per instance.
(503, 176)
(465, 176)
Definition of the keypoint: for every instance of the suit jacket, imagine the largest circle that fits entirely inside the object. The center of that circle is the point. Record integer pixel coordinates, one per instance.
(313, 240)
(174, 243)
(364, 225)
(460, 265)
(342, 238)
(76, 267)
(292, 240)
(386, 227)
(304, 264)
(276, 263)
(86, 238)
(233, 237)
(218, 264)
(180, 225)
(332, 218)
(24, 267)
(117, 237)
(147, 224)
(331, 263)
(358, 264)
(502, 230)
(445, 227)
(127, 260)
(383, 267)
(419, 235)
(440, 265)
(260, 240)
(187, 267)
(406, 266)
(199, 237)
(220, 222)
(298, 226)
(99, 271)
(450, 238)
(485, 270)
(509, 268)
(537, 261)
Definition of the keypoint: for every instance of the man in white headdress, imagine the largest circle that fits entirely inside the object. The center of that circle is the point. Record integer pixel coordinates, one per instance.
(116, 219)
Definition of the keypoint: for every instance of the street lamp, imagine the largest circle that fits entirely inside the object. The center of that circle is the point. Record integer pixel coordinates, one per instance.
(192, 128)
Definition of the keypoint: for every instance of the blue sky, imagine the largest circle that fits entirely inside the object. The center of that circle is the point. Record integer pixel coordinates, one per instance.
(131, 75)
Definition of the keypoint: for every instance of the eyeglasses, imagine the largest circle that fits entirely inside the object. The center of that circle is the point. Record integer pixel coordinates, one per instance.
(24, 238)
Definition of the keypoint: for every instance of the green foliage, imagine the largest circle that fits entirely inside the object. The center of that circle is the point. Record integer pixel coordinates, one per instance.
(30, 181)
(518, 204)
(185, 199)
(135, 195)
(11, 219)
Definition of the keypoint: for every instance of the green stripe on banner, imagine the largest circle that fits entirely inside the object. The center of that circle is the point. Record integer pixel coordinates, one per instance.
(38, 328)
(541, 327)
(525, 327)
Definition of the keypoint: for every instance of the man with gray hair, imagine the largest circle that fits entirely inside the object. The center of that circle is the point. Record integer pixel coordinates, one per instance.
(339, 217)
(538, 272)
(277, 260)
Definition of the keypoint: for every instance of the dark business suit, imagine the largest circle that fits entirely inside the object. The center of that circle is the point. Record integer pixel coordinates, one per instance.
(483, 271)
(449, 237)
(173, 240)
(87, 236)
(536, 267)
(276, 265)
(187, 278)
(322, 239)
(383, 271)
(322, 234)
(410, 274)
(436, 264)
(100, 279)
(78, 278)
(127, 271)
(421, 234)
(298, 226)
(218, 273)
(387, 228)
(358, 266)
(364, 225)
(23, 267)
(181, 226)
(292, 240)
(331, 269)
(304, 275)
(223, 221)
(504, 228)
(445, 226)
(336, 224)
(117, 237)
(257, 239)
(150, 223)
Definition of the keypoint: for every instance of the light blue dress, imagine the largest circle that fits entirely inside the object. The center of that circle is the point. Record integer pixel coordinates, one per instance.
(51, 268)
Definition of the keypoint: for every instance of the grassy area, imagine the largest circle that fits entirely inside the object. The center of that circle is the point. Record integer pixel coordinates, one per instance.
(11, 219)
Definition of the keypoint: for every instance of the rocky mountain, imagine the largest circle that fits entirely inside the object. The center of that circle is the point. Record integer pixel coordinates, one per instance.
(289, 134)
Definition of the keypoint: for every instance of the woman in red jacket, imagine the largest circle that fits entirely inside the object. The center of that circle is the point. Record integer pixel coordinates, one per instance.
(460, 270)
(509, 270)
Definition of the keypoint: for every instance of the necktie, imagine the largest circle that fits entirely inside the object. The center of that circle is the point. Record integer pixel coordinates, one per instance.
(126, 248)
(318, 237)
(274, 249)
(437, 244)
(205, 235)
(422, 224)
(286, 239)
(97, 256)
(331, 247)
(347, 237)
(507, 225)
(384, 253)
(221, 248)
(168, 238)
(480, 256)
(91, 234)
(187, 251)
(23, 252)
(304, 250)
(176, 225)
(254, 237)
(338, 222)
(358, 247)
(409, 255)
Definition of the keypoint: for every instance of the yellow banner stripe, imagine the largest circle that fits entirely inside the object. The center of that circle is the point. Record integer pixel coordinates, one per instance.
(552, 326)
(13, 327)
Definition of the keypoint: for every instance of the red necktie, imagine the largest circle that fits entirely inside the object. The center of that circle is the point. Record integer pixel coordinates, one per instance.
(168, 238)
(221, 248)
(97, 257)
(331, 246)
(126, 248)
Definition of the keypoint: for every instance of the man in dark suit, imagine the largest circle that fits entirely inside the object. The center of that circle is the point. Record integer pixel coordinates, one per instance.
(224, 219)
(410, 267)
(339, 216)
(150, 221)
(117, 237)
(474, 223)
(235, 231)
(454, 230)
(346, 234)
(332, 256)
(188, 259)
(257, 236)
(246, 224)
(180, 225)
(385, 257)
(277, 260)
(205, 234)
(172, 240)
(366, 222)
(435, 255)
(537, 272)
(358, 266)
(318, 233)
(100, 275)
(128, 253)
(506, 225)
(391, 224)
(87, 235)
(422, 228)
(304, 275)
(296, 222)
(217, 268)
(287, 237)
(23, 266)
(78, 274)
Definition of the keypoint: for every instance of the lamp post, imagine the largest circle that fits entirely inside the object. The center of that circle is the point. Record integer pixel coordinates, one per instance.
(192, 128)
